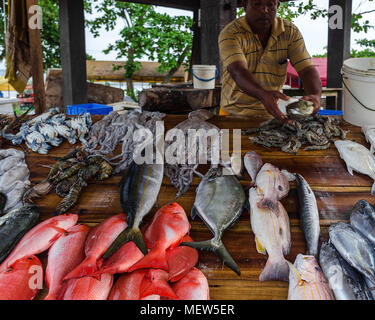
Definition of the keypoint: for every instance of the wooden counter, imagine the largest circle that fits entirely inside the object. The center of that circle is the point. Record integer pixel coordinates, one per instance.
(335, 189)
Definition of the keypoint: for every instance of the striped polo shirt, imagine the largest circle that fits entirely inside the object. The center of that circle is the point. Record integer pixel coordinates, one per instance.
(238, 43)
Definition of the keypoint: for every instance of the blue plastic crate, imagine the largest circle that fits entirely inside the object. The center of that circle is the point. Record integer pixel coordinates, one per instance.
(92, 108)
(330, 113)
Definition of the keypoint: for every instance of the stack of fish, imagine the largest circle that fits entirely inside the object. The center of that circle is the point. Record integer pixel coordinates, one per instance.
(14, 179)
(317, 132)
(76, 269)
(269, 219)
(49, 129)
(348, 259)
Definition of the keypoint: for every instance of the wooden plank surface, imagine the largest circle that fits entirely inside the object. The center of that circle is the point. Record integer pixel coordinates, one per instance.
(336, 192)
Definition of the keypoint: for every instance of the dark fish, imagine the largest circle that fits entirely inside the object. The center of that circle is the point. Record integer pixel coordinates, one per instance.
(362, 219)
(139, 189)
(3, 202)
(219, 203)
(346, 282)
(309, 215)
(14, 225)
(354, 248)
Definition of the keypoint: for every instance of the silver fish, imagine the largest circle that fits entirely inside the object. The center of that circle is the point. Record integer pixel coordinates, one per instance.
(362, 219)
(307, 281)
(18, 173)
(357, 158)
(346, 282)
(272, 186)
(369, 132)
(139, 189)
(309, 215)
(272, 235)
(355, 249)
(219, 203)
(10, 162)
(253, 163)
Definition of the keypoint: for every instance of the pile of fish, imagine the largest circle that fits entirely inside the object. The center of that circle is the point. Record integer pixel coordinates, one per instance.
(357, 158)
(49, 129)
(76, 269)
(69, 176)
(316, 132)
(348, 259)
(119, 129)
(14, 179)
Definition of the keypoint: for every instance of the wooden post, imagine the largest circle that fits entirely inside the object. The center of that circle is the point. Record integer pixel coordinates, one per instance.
(338, 46)
(215, 15)
(73, 51)
(36, 60)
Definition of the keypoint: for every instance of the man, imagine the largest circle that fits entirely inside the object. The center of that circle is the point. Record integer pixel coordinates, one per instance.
(255, 50)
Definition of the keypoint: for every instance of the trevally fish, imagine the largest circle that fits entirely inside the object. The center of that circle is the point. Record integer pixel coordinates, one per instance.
(362, 219)
(354, 248)
(272, 236)
(357, 158)
(346, 283)
(139, 189)
(307, 280)
(219, 203)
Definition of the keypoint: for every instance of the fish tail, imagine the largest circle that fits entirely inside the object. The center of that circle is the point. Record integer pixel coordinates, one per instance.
(275, 270)
(131, 234)
(158, 287)
(373, 189)
(155, 259)
(218, 248)
(87, 267)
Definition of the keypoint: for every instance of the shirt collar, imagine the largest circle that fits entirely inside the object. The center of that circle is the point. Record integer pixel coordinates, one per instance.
(277, 26)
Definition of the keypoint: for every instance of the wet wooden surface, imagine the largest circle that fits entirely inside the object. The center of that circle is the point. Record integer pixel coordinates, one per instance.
(335, 189)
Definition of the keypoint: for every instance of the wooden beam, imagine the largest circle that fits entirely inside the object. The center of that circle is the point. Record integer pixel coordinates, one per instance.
(36, 62)
(338, 46)
(73, 51)
(178, 4)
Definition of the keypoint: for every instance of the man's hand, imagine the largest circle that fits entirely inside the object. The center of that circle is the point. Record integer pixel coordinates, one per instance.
(315, 99)
(269, 99)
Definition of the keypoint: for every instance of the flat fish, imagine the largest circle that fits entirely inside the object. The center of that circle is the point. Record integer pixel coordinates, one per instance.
(346, 282)
(139, 189)
(253, 163)
(272, 186)
(369, 132)
(357, 158)
(309, 215)
(272, 236)
(219, 203)
(362, 219)
(354, 248)
(307, 281)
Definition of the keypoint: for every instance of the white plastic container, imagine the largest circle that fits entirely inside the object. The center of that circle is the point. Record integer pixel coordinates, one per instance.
(359, 91)
(204, 76)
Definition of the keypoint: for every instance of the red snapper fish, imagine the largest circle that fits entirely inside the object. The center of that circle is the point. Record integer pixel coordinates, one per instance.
(194, 286)
(169, 225)
(272, 186)
(40, 238)
(181, 260)
(16, 282)
(98, 241)
(64, 255)
(87, 288)
(128, 287)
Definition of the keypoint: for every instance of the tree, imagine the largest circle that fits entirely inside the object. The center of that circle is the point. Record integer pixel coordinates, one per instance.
(2, 31)
(146, 34)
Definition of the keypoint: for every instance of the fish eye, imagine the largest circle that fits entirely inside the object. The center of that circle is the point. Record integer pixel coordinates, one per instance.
(280, 188)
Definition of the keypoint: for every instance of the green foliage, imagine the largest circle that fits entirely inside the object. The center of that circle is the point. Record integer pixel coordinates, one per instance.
(368, 52)
(2, 39)
(146, 33)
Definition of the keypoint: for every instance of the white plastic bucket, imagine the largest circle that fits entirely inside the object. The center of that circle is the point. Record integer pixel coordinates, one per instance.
(359, 91)
(204, 76)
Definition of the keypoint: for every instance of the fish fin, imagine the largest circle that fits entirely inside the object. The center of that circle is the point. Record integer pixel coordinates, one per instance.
(269, 204)
(288, 175)
(372, 149)
(160, 287)
(180, 261)
(218, 248)
(87, 267)
(194, 212)
(131, 234)
(275, 270)
(294, 273)
(260, 247)
(350, 170)
(155, 259)
(373, 189)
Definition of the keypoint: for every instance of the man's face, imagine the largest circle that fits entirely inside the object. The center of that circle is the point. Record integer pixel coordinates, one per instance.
(261, 13)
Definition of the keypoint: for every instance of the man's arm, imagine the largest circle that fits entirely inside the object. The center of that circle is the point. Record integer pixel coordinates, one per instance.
(312, 85)
(247, 83)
